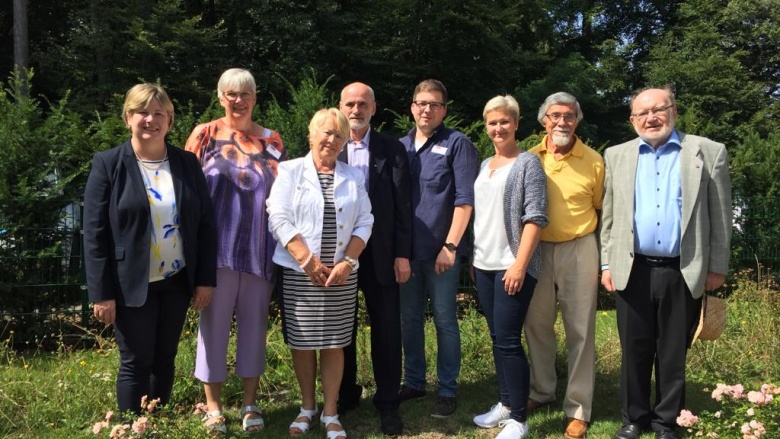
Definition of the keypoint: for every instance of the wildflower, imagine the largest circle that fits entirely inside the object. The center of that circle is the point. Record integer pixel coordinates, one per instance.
(686, 419)
(152, 405)
(119, 431)
(141, 424)
(99, 426)
(109, 415)
(759, 398)
(200, 408)
(750, 411)
(82, 363)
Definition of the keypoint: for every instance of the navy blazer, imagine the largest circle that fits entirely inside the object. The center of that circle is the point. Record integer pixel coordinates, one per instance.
(389, 189)
(117, 225)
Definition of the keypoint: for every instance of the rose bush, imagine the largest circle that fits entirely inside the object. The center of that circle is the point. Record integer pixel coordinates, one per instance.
(750, 415)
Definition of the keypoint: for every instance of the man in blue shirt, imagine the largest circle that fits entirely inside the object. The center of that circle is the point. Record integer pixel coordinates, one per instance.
(665, 236)
(443, 164)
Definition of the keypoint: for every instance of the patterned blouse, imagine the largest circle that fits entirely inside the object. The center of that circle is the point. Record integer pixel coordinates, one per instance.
(166, 252)
(240, 169)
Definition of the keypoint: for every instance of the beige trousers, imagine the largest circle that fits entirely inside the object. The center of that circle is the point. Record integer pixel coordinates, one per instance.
(569, 279)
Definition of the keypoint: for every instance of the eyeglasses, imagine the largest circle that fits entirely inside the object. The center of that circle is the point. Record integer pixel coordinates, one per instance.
(435, 106)
(658, 111)
(234, 95)
(556, 117)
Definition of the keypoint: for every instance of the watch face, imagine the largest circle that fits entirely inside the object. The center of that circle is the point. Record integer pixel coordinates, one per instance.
(451, 247)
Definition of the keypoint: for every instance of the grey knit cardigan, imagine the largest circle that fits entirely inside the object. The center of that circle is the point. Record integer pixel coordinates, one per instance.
(525, 200)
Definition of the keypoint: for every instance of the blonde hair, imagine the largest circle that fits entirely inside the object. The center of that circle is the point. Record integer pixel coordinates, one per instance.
(237, 79)
(507, 104)
(141, 95)
(323, 116)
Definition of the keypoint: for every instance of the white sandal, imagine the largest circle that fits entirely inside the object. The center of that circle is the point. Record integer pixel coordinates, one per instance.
(248, 423)
(303, 426)
(217, 426)
(332, 434)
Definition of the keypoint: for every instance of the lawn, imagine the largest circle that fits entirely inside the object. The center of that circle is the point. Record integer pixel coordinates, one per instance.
(62, 394)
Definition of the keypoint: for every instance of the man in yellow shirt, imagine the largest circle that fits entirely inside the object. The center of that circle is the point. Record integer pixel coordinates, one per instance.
(570, 264)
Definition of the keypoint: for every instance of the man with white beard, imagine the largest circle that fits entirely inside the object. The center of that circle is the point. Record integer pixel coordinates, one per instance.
(570, 264)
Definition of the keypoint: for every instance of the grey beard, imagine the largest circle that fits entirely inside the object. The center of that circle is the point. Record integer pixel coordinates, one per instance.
(561, 140)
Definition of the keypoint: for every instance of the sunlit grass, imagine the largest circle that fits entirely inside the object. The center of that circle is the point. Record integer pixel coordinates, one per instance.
(62, 394)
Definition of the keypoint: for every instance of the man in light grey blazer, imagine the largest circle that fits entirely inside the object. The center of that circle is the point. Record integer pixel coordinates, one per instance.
(666, 229)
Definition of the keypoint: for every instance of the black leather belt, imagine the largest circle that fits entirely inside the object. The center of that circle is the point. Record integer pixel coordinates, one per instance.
(658, 261)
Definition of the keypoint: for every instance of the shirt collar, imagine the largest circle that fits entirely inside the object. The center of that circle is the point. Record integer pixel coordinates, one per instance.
(362, 143)
(577, 150)
(674, 139)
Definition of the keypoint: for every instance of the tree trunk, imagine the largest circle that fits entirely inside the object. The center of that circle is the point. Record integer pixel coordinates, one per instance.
(21, 44)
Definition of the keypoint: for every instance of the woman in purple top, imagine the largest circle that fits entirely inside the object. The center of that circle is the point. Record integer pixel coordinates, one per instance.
(239, 158)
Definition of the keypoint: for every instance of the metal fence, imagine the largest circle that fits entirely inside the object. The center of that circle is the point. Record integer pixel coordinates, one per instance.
(41, 270)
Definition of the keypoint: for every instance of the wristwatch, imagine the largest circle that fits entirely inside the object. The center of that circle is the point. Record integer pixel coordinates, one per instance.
(451, 247)
(352, 262)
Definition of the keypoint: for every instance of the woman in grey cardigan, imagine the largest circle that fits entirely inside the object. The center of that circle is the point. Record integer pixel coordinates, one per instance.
(510, 210)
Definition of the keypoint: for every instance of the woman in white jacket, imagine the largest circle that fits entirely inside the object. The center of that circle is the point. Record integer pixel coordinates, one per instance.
(320, 216)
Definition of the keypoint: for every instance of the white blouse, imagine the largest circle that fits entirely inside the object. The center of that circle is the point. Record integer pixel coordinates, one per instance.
(491, 246)
(166, 247)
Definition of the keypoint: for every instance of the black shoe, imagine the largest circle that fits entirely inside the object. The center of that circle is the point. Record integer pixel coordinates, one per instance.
(629, 431)
(349, 399)
(665, 434)
(391, 423)
(407, 393)
(444, 407)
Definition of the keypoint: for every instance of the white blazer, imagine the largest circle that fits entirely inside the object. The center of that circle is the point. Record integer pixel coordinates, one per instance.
(296, 207)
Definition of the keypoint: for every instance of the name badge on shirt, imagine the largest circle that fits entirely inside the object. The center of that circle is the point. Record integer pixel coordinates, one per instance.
(273, 151)
(438, 149)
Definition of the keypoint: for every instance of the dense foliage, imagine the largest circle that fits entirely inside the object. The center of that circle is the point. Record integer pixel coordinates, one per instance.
(721, 56)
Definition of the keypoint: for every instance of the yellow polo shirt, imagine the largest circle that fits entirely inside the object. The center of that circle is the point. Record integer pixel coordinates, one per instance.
(575, 190)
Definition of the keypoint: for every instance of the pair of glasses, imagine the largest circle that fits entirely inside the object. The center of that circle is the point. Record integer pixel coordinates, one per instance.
(435, 106)
(658, 111)
(234, 95)
(556, 117)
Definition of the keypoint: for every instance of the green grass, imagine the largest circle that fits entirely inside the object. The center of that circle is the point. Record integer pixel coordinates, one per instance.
(62, 394)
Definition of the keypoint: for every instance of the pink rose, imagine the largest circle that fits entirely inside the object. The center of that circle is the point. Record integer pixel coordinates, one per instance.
(141, 424)
(686, 419)
(98, 427)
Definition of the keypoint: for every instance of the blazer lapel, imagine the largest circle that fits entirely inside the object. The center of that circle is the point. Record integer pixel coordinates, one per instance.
(632, 161)
(137, 185)
(691, 167)
(376, 161)
(177, 171)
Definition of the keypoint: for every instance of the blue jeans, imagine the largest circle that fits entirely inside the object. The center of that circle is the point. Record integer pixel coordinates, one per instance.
(505, 318)
(442, 289)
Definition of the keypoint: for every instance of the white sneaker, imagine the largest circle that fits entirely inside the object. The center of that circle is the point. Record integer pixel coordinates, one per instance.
(491, 419)
(512, 429)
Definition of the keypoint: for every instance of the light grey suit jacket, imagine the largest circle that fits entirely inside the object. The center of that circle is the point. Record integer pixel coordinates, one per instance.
(706, 210)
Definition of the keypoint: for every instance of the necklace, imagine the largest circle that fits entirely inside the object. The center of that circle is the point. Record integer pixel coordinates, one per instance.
(152, 165)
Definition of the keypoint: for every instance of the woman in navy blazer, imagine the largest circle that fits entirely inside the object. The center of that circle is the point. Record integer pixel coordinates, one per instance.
(150, 245)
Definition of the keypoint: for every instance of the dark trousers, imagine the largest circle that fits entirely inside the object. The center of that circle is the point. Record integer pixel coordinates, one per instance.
(655, 317)
(148, 337)
(384, 312)
(505, 316)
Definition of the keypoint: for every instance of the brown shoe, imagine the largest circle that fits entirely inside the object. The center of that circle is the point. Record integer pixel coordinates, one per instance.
(535, 405)
(576, 429)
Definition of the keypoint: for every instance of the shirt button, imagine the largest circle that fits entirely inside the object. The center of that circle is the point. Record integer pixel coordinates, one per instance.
(659, 242)
(340, 209)
(340, 243)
